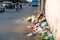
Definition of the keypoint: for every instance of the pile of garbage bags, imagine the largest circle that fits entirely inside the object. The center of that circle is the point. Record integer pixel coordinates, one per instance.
(40, 27)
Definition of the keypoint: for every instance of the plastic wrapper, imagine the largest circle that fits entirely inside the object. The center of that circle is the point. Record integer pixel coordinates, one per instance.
(29, 27)
(29, 19)
(44, 24)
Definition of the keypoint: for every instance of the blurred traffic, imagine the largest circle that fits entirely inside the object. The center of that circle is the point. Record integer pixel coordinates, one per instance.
(17, 5)
(8, 4)
(2, 8)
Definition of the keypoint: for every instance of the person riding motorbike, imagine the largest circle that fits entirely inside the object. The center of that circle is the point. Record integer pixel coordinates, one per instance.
(17, 6)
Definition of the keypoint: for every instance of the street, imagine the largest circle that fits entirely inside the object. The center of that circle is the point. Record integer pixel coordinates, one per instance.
(13, 23)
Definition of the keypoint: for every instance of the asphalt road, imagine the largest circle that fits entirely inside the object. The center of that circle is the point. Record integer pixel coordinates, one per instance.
(13, 23)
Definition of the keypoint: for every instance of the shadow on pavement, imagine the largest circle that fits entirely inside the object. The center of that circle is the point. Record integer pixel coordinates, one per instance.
(12, 36)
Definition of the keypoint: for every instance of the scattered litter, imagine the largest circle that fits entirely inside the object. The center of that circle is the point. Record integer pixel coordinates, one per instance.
(30, 34)
(41, 27)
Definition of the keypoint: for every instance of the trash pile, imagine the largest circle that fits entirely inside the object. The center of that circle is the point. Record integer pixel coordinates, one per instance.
(40, 27)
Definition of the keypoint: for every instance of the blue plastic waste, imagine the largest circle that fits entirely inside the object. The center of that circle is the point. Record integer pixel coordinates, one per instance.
(44, 24)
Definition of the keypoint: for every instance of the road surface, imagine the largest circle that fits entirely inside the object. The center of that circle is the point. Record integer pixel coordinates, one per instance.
(13, 23)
